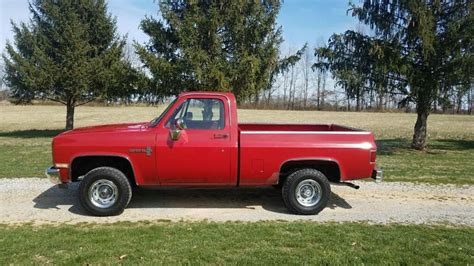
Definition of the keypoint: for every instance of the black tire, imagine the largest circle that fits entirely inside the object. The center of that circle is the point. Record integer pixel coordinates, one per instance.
(122, 185)
(291, 184)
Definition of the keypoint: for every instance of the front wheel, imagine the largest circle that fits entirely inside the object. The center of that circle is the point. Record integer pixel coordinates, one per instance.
(306, 191)
(105, 191)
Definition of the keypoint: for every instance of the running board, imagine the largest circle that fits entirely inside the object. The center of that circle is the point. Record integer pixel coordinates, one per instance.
(348, 184)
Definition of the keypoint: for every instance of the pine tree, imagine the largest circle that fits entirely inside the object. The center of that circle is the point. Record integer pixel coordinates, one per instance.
(69, 53)
(347, 58)
(212, 45)
(417, 48)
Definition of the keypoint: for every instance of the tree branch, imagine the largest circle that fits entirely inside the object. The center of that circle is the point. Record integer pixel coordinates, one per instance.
(56, 100)
(86, 102)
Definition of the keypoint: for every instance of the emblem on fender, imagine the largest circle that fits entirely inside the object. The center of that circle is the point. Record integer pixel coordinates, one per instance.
(147, 151)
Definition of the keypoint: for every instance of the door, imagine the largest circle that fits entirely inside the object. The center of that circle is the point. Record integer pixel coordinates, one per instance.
(201, 153)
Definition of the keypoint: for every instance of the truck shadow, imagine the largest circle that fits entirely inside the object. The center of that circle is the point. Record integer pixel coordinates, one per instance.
(242, 198)
(32, 133)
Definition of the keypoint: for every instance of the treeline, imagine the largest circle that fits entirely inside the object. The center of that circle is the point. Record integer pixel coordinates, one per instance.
(418, 55)
(307, 88)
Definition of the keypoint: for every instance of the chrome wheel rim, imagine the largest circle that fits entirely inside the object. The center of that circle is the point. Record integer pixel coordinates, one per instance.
(103, 193)
(308, 193)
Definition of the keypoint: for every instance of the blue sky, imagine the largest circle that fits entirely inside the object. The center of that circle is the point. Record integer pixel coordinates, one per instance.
(311, 21)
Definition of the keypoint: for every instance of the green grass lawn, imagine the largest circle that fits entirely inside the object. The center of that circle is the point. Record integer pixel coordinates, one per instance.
(237, 243)
(446, 161)
(26, 152)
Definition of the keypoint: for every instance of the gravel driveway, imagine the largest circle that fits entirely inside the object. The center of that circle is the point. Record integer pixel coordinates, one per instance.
(36, 200)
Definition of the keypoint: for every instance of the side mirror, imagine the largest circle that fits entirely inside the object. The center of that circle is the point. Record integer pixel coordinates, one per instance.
(176, 133)
(180, 124)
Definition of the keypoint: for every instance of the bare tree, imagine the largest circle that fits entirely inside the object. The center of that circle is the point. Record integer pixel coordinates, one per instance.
(470, 103)
(292, 88)
(306, 63)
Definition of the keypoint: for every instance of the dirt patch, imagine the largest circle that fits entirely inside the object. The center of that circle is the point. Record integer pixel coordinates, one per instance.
(36, 200)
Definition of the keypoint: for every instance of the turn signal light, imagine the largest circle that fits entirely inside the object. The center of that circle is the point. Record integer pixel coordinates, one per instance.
(61, 165)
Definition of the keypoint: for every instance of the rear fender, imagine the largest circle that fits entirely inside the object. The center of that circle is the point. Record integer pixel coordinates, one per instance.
(318, 163)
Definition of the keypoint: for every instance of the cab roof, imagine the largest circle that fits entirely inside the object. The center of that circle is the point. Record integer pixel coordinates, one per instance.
(229, 95)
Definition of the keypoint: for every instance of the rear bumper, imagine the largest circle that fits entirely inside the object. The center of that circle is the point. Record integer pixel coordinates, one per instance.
(377, 175)
(53, 175)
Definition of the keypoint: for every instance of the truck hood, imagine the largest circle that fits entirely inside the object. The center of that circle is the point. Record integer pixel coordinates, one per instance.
(112, 128)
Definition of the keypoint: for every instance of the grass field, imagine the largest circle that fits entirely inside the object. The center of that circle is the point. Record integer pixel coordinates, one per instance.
(26, 131)
(25, 150)
(260, 243)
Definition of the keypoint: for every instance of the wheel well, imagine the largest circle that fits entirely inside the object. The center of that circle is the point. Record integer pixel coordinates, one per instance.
(329, 168)
(82, 165)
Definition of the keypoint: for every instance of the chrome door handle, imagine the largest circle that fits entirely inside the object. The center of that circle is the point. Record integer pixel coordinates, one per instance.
(221, 136)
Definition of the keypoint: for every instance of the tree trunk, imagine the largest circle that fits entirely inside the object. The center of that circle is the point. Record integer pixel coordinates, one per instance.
(257, 99)
(285, 83)
(358, 102)
(371, 99)
(322, 93)
(70, 115)
(306, 87)
(380, 101)
(470, 101)
(292, 88)
(305, 94)
(318, 92)
(446, 102)
(419, 136)
(459, 101)
(269, 97)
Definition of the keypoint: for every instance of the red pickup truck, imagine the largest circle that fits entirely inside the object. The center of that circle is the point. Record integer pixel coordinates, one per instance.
(197, 142)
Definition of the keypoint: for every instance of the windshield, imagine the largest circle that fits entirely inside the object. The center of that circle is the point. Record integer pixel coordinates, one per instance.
(157, 120)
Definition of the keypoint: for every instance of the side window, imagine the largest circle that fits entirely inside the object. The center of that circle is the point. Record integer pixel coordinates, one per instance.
(199, 113)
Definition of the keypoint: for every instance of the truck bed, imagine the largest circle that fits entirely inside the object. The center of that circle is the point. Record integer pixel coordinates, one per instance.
(265, 148)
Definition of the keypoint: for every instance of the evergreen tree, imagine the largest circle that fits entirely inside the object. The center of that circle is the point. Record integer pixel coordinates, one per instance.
(69, 53)
(418, 48)
(218, 45)
(348, 59)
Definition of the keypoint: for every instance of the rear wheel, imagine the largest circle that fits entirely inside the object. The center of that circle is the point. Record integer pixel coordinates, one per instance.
(306, 191)
(105, 191)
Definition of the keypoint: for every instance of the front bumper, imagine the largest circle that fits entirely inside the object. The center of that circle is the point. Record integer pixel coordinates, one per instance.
(53, 175)
(377, 175)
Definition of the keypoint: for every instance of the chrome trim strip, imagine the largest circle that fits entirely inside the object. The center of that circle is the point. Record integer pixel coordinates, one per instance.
(307, 132)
